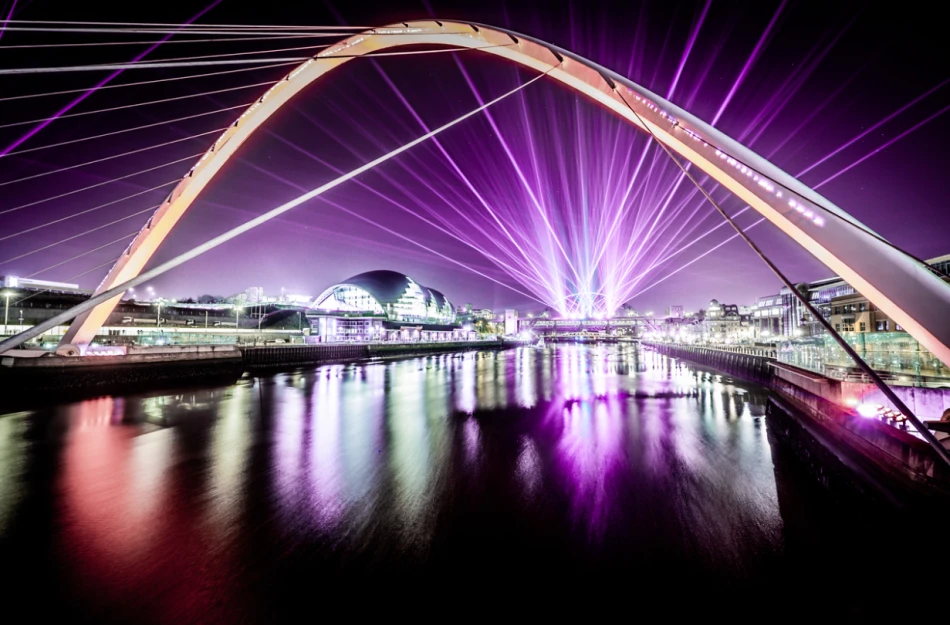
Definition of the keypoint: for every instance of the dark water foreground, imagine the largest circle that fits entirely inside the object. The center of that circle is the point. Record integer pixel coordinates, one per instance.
(591, 477)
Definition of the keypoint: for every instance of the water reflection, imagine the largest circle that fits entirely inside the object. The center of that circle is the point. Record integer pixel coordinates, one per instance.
(582, 454)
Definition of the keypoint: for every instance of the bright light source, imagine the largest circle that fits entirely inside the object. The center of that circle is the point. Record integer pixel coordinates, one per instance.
(867, 410)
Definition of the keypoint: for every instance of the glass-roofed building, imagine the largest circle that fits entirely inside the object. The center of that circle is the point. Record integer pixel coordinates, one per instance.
(383, 306)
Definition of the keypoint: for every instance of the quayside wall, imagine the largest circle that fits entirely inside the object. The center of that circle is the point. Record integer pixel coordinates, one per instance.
(283, 355)
(24, 375)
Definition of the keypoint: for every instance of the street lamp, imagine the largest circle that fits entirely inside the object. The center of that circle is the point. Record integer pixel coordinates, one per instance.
(6, 309)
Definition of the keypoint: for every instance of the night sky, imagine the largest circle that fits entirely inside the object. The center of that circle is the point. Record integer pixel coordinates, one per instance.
(815, 76)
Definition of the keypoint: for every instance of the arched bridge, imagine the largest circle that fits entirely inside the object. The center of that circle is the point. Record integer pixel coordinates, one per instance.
(899, 285)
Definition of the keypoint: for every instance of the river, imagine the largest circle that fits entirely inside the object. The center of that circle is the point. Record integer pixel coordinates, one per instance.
(250, 502)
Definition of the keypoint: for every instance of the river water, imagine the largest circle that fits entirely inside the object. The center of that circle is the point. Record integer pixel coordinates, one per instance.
(481, 472)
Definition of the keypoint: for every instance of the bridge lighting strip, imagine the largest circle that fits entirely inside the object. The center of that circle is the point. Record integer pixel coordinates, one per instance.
(805, 208)
(766, 184)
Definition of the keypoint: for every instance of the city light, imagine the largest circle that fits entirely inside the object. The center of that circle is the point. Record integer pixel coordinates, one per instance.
(869, 410)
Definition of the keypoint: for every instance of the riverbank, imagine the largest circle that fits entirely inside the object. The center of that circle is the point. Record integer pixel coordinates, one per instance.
(29, 378)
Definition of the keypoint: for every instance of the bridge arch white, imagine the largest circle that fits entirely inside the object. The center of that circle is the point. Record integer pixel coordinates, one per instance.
(902, 287)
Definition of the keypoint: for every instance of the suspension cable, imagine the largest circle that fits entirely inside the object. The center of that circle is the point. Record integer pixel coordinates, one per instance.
(93, 186)
(125, 66)
(157, 31)
(139, 104)
(84, 212)
(86, 253)
(144, 82)
(78, 275)
(119, 132)
(86, 44)
(924, 432)
(81, 234)
(188, 26)
(164, 65)
(114, 156)
(222, 55)
(198, 250)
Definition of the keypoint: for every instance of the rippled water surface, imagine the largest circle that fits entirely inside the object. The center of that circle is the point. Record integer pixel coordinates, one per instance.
(253, 501)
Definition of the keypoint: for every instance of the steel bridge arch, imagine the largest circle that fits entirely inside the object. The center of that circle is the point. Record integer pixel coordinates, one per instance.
(902, 287)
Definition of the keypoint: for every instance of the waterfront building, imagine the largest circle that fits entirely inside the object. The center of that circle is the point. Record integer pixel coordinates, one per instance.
(254, 295)
(511, 321)
(383, 306)
(768, 316)
(722, 323)
(782, 314)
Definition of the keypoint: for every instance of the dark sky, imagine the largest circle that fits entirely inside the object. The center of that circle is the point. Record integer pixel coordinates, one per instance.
(825, 74)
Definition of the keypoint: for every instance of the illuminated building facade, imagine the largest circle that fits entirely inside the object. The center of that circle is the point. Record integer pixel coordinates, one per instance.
(383, 306)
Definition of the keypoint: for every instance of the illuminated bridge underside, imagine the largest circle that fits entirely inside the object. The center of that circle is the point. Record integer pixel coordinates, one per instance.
(900, 286)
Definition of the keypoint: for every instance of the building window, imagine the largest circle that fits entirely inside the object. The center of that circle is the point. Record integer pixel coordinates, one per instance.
(897, 327)
(862, 307)
(836, 310)
(863, 327)
(837, 327)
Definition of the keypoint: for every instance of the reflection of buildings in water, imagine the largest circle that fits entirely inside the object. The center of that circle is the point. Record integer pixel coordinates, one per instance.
(490, 388)
(465, 381)
(291, 431)
(526, 377)
(328, 437)
(472, 444)
(572, 376)
(13, 431)
(437, 395)
(363, 430)
(168, 410)
(589, 451)
(230, 438)
(528, 468)
(547, 370)
(323, 470)
(410, 454)
(655, 432)
(113, 486)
